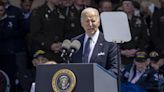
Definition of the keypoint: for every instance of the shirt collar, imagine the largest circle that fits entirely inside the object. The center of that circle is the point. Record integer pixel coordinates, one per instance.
(94, 38)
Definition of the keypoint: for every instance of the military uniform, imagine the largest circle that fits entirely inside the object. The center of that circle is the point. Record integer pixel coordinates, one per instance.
(139, 37)
(157, 32)
(12, 42)
(47, 27)
(73, 19)
(13, 32)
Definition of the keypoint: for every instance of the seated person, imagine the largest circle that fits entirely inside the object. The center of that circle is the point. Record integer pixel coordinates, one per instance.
(156, 61)
(40, 59)
(139, 76)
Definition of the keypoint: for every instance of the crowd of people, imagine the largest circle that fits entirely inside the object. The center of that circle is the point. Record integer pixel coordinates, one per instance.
(29, 37)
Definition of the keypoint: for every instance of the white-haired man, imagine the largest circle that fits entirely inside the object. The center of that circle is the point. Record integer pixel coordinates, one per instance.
(94, 48)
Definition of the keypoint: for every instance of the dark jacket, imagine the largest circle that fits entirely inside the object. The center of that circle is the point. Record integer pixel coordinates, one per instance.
(11, 32)
(73, 19)
(139, 35)
(157, 33)
(147, 80)
(46, 27)
(108, 59)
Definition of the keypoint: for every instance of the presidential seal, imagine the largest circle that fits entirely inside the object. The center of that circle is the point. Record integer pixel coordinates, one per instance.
(63, 80)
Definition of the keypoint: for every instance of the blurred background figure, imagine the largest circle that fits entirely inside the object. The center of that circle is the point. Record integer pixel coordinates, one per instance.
(67, 3)
(157, 62)
(73, 18)
(13, 50)
(26, 9)
(137, 7)
(105, 6)
(90, 3)
(157, 33)
(37, 3)
(25, 75)
(147, 10)
(115, 3)
(2, 11)
(51, 24)
(4, 80)
(26, 5)
(139, 36)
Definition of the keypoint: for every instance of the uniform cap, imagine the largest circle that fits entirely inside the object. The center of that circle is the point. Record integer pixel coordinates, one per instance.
(154, 56)
(140, 56)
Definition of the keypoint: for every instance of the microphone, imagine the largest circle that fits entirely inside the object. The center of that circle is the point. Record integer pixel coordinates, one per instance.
(75, 46)
(65, 47)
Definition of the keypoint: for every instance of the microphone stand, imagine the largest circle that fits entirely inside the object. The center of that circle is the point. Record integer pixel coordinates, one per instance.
(66, 58)
(119, 68)
(70, 55)
(119, 65)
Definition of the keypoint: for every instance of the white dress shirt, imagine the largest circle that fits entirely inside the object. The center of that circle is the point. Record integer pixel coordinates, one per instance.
(137, 76)
(94, 39)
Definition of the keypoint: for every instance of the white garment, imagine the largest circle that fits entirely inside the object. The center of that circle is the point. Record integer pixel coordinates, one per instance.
(94, 39)
(32, 87)
(137, 77)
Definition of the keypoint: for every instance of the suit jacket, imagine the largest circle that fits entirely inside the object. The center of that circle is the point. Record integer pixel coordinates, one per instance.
(104, 53)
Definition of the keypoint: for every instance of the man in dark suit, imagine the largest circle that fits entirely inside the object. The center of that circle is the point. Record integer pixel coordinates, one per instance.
(99, 51)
